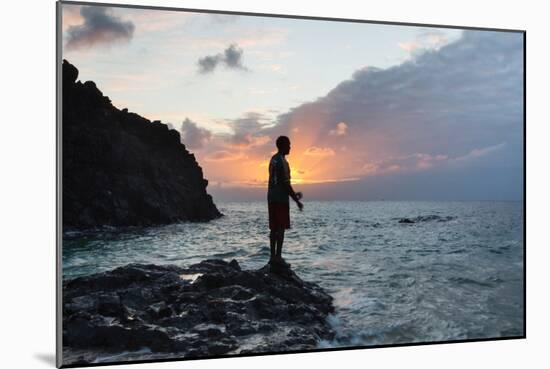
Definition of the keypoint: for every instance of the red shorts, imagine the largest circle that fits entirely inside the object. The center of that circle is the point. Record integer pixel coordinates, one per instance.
(279, 215)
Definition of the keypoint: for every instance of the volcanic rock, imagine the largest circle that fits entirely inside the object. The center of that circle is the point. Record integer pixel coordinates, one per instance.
(208, 309)
(121, 169)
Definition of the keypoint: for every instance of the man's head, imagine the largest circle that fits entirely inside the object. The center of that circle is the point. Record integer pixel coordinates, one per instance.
(283, 144)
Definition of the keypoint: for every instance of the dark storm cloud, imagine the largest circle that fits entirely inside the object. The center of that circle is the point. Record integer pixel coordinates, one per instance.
(465, 96)
(457, 109)
(100, 27)
(192, 136)
(231, 58)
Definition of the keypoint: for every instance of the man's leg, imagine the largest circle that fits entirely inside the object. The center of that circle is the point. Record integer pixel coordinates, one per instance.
(272, 244)
(280, 239)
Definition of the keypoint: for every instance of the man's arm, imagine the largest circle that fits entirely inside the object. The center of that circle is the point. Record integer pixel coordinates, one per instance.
(286, 183)
(291, 192)
(295, 196)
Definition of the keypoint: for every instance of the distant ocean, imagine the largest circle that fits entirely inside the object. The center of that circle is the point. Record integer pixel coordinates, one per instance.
(455, 273)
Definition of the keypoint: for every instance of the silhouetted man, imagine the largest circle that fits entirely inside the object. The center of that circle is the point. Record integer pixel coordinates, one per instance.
(279, 189)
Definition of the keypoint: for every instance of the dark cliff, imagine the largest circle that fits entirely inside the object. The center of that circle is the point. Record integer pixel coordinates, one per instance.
(121, 169)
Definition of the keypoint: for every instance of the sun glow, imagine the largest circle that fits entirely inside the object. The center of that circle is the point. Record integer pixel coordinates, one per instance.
(311, 162)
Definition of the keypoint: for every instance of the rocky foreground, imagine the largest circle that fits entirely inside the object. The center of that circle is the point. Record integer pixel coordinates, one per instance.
(140, 312)
(121, 169)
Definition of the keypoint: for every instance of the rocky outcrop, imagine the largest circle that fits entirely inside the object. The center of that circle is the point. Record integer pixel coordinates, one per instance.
(426, 218)
(141, 312)
(122, 169)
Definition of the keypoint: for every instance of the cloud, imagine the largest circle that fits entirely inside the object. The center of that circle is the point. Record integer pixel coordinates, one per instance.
(231, 58)
(238, 157)
(477, 153)
(466, 95)
(433, 37)
(192, 136)
(71, 16)
(319, 151)
(421, 161)
(454, 109)
(426, 39)
(410, 46)
(247, 128)
(407, 163)
(223, 156)
(341, 130)
(209, 63)
(100, 27)
(454, 104)
(248, 141)
(246, 133)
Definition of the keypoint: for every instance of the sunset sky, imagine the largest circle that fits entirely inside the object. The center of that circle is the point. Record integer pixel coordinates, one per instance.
(372, 111)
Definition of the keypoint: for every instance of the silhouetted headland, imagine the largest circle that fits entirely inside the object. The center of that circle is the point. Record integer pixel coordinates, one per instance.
(122, 169)
(211, 308)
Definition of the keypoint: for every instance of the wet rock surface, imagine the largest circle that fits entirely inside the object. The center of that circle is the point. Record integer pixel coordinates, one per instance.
(120, 169)
(140, 312)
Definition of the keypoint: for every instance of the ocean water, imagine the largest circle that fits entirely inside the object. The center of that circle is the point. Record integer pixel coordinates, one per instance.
(456, 273)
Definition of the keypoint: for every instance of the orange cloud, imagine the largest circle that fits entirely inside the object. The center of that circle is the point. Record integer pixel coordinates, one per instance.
(319, 151)
(224, 155)
(251, 141)
(409, 46)
(71, 16)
